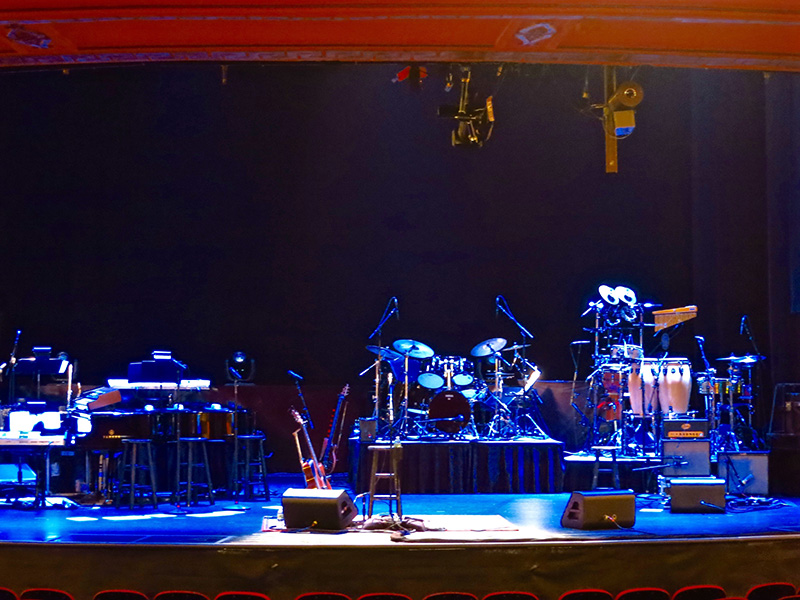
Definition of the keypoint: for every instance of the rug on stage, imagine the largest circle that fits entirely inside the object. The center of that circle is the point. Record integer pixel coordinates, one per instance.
(423, 528)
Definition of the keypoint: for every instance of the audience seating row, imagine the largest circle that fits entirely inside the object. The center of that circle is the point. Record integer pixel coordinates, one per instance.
(766, 591)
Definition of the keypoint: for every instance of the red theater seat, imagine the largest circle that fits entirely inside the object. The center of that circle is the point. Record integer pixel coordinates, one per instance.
(323, 596)
(7, 594)
(241, 596)
(587, 594)
(644, 593)
(180, 595)
(120, 595)
(451, 596)
(699, 592)
(384, 596)
(771, 591)
(510, 596)
(45, 594)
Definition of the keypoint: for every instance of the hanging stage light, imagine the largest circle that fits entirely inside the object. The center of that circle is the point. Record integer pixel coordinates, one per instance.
(239, 368)
(474, 124)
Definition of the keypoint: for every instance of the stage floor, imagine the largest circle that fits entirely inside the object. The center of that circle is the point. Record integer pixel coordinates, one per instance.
(479, 544)
(487, 518)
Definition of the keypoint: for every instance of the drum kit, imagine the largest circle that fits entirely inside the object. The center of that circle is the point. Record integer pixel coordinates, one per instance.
(630, 394)
(421, 394)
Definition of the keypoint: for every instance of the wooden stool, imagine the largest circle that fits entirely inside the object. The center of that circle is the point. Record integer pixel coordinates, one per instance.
(127, 471)
(394, 458)
(196, 459)
(614, 470)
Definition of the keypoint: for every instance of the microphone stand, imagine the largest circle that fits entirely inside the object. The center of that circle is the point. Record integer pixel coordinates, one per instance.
(388, 313)
(503, 307)
(305, 406)
(756, 390)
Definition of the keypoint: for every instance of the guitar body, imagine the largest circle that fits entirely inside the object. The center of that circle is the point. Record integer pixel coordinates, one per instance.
(312, 469)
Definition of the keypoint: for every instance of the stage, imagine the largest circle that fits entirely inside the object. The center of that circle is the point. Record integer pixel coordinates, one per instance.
(476, 543)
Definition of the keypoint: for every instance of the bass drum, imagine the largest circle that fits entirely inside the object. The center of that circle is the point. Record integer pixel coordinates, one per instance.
(450, 411)
(674, 377)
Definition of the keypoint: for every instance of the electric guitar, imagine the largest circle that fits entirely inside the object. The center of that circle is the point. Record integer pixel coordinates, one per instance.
(312, 469)
(329, 446)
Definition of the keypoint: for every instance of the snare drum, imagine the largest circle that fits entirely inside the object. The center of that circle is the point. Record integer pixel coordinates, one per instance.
(674, 377)
(452, 408)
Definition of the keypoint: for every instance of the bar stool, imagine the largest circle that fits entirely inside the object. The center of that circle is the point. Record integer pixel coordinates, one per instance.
(134, 464)
(614, 470)
(196, 453)
(248, 467)
(392, 456)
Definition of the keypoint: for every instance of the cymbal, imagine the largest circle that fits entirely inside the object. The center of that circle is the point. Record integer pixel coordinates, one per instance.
(488, 347)
(607, 294)
(386, 353)
(413, 349)
(515, 347)
(625, 295)
(744, 360)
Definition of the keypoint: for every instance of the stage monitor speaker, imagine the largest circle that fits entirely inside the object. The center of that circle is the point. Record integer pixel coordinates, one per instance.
(697, 495)
(687, 458)
(326, 510)
(600, 510)
(745, 472)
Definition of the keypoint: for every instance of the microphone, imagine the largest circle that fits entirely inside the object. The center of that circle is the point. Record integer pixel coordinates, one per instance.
(396, 307)
(747, 480)
(295, 375)
(742, 325)
(496, 306)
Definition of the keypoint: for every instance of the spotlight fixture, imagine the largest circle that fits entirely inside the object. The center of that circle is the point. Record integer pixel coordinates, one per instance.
(474, 124)
(239, 368)
(625, 98)
(619, 118)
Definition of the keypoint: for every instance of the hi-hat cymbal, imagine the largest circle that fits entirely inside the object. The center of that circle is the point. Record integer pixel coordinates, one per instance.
(744, 360)
(385, 353)
(607, 294)
(488, 347)
(413, 349)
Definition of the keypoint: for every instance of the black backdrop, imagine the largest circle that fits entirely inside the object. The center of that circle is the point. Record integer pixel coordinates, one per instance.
(154, 207)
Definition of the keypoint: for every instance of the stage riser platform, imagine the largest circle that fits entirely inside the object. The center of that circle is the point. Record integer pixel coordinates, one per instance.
(470, 467)
(546, 569)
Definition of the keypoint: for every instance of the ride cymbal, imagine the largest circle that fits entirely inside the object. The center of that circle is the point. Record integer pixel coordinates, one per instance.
(413, 349)
(489, 347)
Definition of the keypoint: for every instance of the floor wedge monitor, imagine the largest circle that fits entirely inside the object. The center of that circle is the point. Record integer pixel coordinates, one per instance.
(607, 509)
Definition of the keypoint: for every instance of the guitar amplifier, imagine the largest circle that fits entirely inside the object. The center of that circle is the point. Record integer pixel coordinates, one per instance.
(685, 429)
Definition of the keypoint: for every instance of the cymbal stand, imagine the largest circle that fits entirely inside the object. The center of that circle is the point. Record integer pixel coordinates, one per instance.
(400, 425)
(502, 413)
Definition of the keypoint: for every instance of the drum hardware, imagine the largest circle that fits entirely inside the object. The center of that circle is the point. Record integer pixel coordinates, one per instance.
(409, 349)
